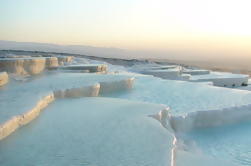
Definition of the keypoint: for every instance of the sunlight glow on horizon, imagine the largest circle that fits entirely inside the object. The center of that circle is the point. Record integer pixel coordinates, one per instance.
(202, 25)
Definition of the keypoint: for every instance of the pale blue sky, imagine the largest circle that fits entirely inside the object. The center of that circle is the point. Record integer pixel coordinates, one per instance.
(133, 24)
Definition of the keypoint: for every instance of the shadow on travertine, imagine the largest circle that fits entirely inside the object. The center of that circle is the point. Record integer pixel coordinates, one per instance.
(36, 65)
(4, 78)
(27, 66)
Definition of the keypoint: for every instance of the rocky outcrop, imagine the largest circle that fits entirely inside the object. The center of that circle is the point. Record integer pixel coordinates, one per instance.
(4, 78)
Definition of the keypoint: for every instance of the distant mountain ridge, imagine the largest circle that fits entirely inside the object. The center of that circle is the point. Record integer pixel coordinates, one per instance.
(222, 62)
(74, 49)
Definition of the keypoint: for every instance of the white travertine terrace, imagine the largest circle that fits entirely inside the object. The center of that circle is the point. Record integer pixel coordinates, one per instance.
(69, 90)
(4, 78)
(165, 74)
(64, 59)
(89, 91)
(92, 68)
(23, 66)
(194, 105)
(17, 121)
(52, 62)
(171, 72)
(92, 131)
(185, 77)
(31, 65)
(210, 118)
(222, 79)
(195, 71)
(110, 115)
(176, 72)
(120, 85)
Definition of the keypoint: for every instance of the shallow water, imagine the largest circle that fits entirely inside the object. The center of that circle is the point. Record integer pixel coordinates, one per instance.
(18, 97)
(91, 131)
(231, 142)
(184, 97)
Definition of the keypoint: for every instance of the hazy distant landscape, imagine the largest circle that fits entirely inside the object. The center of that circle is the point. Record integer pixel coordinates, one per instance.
(237, 64)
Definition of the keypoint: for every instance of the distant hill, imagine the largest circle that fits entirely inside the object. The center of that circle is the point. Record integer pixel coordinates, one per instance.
(74, 49)
(215, 61)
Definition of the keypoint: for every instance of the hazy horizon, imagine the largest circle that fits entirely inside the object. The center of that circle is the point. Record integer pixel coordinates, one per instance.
(189, 30)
